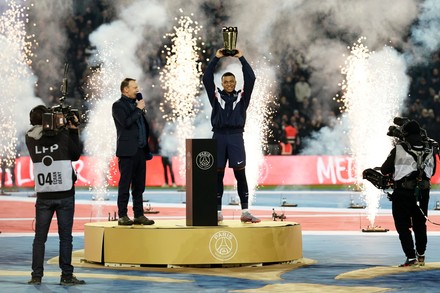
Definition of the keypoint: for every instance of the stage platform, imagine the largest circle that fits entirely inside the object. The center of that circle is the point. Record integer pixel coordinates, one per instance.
(172, 243)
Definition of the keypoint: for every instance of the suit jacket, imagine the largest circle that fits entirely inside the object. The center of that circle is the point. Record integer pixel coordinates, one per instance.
(127, 130)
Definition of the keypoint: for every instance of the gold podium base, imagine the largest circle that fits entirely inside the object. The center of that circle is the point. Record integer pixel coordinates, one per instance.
(172, 243)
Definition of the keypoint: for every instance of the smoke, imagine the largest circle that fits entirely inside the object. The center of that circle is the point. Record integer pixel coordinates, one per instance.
(136, 37)
(47, 24)
(316, 31)
(328, 141)
(319, 33)
(140, 31)
(426, 33)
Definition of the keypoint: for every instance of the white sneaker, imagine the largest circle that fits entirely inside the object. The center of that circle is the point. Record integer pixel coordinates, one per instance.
(247, 217)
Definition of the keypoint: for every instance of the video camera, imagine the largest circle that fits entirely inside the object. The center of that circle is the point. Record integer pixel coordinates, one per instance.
(379, 180)
(384, 181)
(398, 132)
(60, 115)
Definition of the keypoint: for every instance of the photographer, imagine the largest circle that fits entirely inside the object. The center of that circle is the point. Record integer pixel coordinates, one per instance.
(52, 154)
(411, 163)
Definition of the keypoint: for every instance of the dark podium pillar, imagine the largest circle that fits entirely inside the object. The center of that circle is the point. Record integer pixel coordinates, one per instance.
(201, 182)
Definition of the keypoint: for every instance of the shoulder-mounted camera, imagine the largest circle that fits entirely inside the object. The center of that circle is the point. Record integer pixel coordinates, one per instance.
(403, 128)
(60, 115)
(400, 132)
(397, 129)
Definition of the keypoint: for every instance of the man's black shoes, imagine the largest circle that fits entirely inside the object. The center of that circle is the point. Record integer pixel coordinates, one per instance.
(64, 281)
(70, 281)
(125, 221)
(142, 220)
(35, 281)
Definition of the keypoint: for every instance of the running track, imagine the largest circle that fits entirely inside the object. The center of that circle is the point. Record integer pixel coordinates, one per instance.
(17, 213)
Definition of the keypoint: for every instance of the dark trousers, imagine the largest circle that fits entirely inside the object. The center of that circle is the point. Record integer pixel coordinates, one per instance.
(45, 209)
(407, 216)
(132, 170)
(167, 165)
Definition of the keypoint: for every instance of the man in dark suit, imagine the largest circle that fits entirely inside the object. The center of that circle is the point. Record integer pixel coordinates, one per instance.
(132, 151)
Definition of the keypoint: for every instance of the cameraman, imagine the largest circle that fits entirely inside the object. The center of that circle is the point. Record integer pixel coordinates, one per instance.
(52, 155)
(412, 164)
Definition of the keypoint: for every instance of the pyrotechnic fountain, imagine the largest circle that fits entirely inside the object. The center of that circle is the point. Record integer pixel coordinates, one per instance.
(16, 80)
(100, 135)
(374, 89)
(180, 80)
(258, 114)
(116, 58)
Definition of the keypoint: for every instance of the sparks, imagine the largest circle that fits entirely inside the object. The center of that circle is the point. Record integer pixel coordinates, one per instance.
(100, 136)
(15, 55)
(180, 79)
(256, 129)
(374, 89)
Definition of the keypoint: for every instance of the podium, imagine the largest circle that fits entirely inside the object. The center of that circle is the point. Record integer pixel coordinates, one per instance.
(201, 182)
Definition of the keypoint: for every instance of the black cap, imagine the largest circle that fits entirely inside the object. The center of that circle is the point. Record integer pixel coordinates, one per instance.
(36, 114)
(412, 127)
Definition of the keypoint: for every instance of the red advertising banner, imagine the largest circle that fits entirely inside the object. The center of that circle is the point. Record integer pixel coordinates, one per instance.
(275, 170)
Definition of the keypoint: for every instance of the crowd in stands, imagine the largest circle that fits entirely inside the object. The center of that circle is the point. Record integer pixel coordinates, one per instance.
(299, 112)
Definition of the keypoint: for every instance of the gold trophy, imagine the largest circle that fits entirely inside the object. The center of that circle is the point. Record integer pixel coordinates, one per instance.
(230, 40)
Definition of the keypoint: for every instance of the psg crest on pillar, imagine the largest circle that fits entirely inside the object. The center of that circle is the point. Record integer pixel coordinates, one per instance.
(204, 160)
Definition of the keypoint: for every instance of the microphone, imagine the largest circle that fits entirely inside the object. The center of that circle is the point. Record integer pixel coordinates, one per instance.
(138, 98)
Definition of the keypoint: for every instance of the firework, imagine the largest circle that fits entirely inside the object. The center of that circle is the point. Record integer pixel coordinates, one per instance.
(256, 129)
(374, 89)
(100, 136)
(15, 51)
(180, 79)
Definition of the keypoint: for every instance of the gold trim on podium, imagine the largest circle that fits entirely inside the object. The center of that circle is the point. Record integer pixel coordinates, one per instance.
(173, 243)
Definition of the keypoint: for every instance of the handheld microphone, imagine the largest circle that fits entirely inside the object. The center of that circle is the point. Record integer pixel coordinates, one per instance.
(138, 98)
